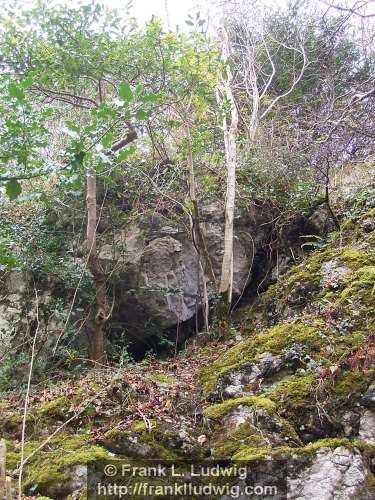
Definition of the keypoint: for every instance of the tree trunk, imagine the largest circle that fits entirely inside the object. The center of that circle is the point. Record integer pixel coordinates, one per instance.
(255, 97)
(328, 204)
(197, 235)
(230, 134)
(99, 276)
(102, 312)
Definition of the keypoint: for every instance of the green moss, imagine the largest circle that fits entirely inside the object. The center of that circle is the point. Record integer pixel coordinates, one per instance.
(11, 423)
(13, 452)
(324, 443)
(52, 464)
(368, 215)
(307, 274)
(349, 225)
(227, 442)
(353, 382)
(79, 393)
(56, 408)
(140, 425)
(87, 454)
(343, 345)
(218, 411)
(273, 341)
(250, 453)
(355, 258)
(293, 392)
(361, 287)
(113, 434)
(289, 431)
(161, 378)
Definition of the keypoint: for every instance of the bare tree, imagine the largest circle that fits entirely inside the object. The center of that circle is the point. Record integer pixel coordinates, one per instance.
(243, 39)
(230, 127)
(254, 47)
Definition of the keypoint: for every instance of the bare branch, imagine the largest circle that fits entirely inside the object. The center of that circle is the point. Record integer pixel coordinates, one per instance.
(355, 10)
(130, 137)
(301, 51)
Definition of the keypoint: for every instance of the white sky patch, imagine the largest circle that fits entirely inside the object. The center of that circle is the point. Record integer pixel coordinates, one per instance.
(172, 12)
(175, 12)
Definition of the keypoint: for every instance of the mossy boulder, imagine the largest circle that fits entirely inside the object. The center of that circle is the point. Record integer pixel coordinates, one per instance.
(248, 421)
(218, 411)
(273, 341)
(155, 441)
(293, 392)
(59, 467)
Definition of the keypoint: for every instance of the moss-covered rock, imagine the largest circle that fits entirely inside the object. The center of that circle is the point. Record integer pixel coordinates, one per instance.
(218, 411)
(49, 471)
(248, 421)
(293, 392)
(226, 442)
(157, 441)
(273, 341)
(324, 314)
(353, 383)
(253, 454)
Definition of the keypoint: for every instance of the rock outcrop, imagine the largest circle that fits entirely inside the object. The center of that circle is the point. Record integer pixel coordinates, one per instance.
(154, 276)
(329, 474)
(158, 279)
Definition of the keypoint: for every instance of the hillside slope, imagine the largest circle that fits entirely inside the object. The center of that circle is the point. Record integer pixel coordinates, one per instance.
(294, 381)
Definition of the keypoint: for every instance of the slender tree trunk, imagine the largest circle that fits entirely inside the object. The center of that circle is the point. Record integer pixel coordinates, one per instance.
(328, 204)
(255, 97)
(230, 134)
(199, 240)
(103, 310)
(99, 276)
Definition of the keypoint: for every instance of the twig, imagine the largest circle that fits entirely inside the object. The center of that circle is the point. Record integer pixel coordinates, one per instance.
(27, 397)
(3, 452)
